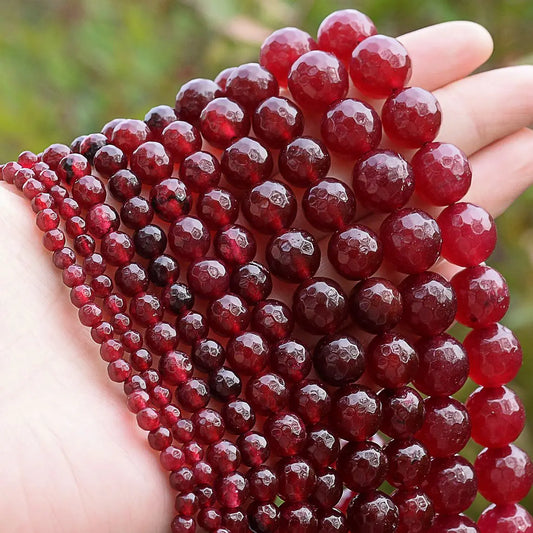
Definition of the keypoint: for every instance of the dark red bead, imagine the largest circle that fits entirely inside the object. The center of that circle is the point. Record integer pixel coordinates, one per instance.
(263, 517)
(296, 479)
(415, 510)
(239, 416)
(273, 320)
(225, 384)
(158, 118)
(408, 463)
(362, 466)
(161, 337)
(235, 244)
(124, 185)
(160, 438)
(151, 163)
(254, 449)
(208, 278)
(291, 360)
(163, 270)
(228, 315)
(146, 309)
(192, 327)
(286, 434)
(328, 489)
(264, 483)
(175, 367)
(101, 219)
(150, 241)
(170, 199)
(141, 360)
(224, 456)
(251, 281)
(332, 521)
(298, 518)
(119, 371)
(200, 171)
(129, 134)
(208, 355)
(248, 353)
(232, 490)
(91, 144)
(54, 153)
(84, 245)
(193, 97)
(193, 394)
(177, 298)
(131, 279)
(136, 212)
(374, 512)
(180, 140)
(311, 401)
(208, 426)
(54, 240)
(217, 207)
(88, 190)
(72, 167)
(268, 393)
(189, 238)
(108, 128)
(81, 295)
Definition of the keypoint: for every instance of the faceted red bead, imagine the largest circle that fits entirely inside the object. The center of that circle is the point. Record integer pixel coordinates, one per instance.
(54, 240)
(282, 48)
(171, 458)
(408, 463)
(322, 447)
(150, 241)
(200, 171)
(298, 518)
(151, 163)
(304, 161)
(494, 353)
(193, 394)
(263, 517)
(286, 433)
(317, 79)
(170, 199)
(254, 449)
(146, 309)
(193, 97)
(411, 117)
(189, 238)
(248, 353)
(341, 31)
(222, 77)
(446, 427)
(357, 411)
(497, 416)
(297, 479)
(442, 173)
(482, 296)
(117, 248)
(119, 371)
(403, 412)
(291, 359)
(415, 511)
(251, 281)
(239, 416)
(91, 144)
(264, 483)
(232, 490)
(101, 219)
(332, 521)
(351, 128)
(383, 180)
(311, 401)
(456, 523)
(267, 393)
(328, 489)
(175, 367)
(217, 207)
(369, 509)
(192, 327)
(81, 295)
(161, 337)
(131, 279)
(320, 305)
(273, 320)
(129, 134)
(72, 167)
(443, 365)
(224, 456)
(235, 245)
(158, 118)
(181, 139)
(53, 154)
(208, 278)
(32, 187)
(47, 219)
(88, 190)
(512, 518)
(163, 270)
(228, 315)
(208, 426)
(411, 240)
(362, 466)
(223, 121)
(63, 257)
(124, 185)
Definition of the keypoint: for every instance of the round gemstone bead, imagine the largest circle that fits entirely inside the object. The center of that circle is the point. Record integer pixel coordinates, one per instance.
(355, 252)
(91, 144)
(192, 327)
(282, 48)
(304, 161)
(208, 355)
(408, 463)
(362, 466)
(371, 508)
(383, 180)
(494, 353)
(317, 79)
(341, 31)
(246, 163)
(442, 172)
(170, 199)
(208, 426)
(456, 523)
(200, 171)
(328, 489)
(251, 281)
(264, 483)
(228, 315)
(446, 427)
(497, 416)
(351, 128)
(296, 479)
(53, 154)
(254, 449)
(391, 361)
(131, 279)
(158, 118)
(269, 206)
(222, 77)
(339, 359)
(329, 205)
(180, 139)
(291, 359)
(239, 416)
(163, 270)
(468, 234)
(136, 212)
(277, 121)
(512, 518)
(208, 278)
(375, 305)
(217, 207)
(150, 241)
(146, 309)
(101, 219)
(403, 412)
(109, 159)
(415, 511)
(117, 248)
(267, 393)
(293, 255)
(286, 434)
(232, 490)
(322, 447)
(235, 245)
(273, 320)
(193, 394)
(411, 240)
(222, 121)
(189, 238)
(129, 134)
(193, 97)
(72, 167)
(124, 185)
(443, 365)
(263, 517)
(177, 298)
(320, 305)
(248, 353)
(225, 384)
(379, 65)
(250, 84)
(357, 411)
(451, 484)
(311, 401)
(482, 296)
(332, 521)
(429, 303)
(88, 190)
(298, 518)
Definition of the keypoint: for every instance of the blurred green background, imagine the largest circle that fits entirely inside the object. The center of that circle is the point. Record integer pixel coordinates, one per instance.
(69, 66)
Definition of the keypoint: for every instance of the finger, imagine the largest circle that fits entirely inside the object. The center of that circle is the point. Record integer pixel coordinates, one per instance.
(446, 52)
(501, 172)
(481, 109)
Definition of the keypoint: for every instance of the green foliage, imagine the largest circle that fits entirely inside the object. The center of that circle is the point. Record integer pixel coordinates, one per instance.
(69, 66)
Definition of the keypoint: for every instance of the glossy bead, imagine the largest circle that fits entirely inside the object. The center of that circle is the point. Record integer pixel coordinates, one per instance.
(322, 447)
(329, 205)
(177, 298)
(451, 484)
(117, 248)
(272, 319)
(228, 315)
(328, 489)
(72, 167)
(175, 367)
(131, 279)
(442, 172)
(53, 239)
(251, 281)
(146, 309)
(254, 448)
(317, 79)
(186, 504)
(411, 240)
(101, 219)
(224, 456)
(497, 415)
(362, 466)
(341, 31)
(391, 361)
(269, 206)
(264, 483)
(282, 48)
(171, 458)
(351, 128)
(239, 416)
(208, 355)
(232, 490)
(408, 463)
(161, 337)
(263, 517)
(170, 199)
(267, 393)
(286, 433)
(150, 241)
(298, 518)
(192, 327)
(311, 401)
(304, 161)
(296, 479)
(107, 128)
(53, 154)
(332, 521)
(223, 121)
(208, 278)
(208, 426)
(200, 171)
(163, 270)
(320, 305)
(375, 305)
(482, 296)
(429, 303)
(358, 412)
(249, 84)
(217, 207)
(141, 360)
(494, 353)
(383, 180)
(339, 359)
(224, 384)
(136, 212)
(291, 360)
(192, 98)
(235, 244)
(446, 427)
(129, 134)
(91, 144)
(88, 190)
(183, 524)
(193, 394)
(180, 140)
(158, 118)
(512, 518)
(81, 295)
(234, 521)
(374, 512)
(415, 511)
(189, 238)
(124, 185)
(443, 365)
(209, 518)
(222, 77)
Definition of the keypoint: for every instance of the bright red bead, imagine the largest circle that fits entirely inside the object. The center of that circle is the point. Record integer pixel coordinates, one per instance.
(512, 518)
(193, 97)
(129, 134)
(151, 163)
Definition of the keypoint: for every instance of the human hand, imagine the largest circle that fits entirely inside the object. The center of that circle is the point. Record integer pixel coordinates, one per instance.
(72, 459)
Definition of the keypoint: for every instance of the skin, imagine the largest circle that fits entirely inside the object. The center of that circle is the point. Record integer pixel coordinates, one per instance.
(71, 457)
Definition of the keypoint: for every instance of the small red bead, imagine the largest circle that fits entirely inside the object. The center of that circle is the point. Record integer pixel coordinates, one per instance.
(53, 154)
(189, 238)
(124, 185)
(251, 281)
(181, 139)
(228, 315)
(72, 167)
(311, 401)
(408, 463)
(171, 458)
(146, 309)
(117, 248)
(415, 511)
(208, 278)
(267, 393)
(151, 163)
(235, 245)
(286, 433)
(362, 466)
(101, 219)
(223, 121)
(291, 360)
(129, 134)
(403, 412)
(88, 191)
(136, 213)
(248, 353)
(304, 161)
(119, 371)
(273, 320)
(158, 118)
(217, 207)
(254, 449)
(297, 479)
(54, 239)
(371, 508)
(193, 97)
